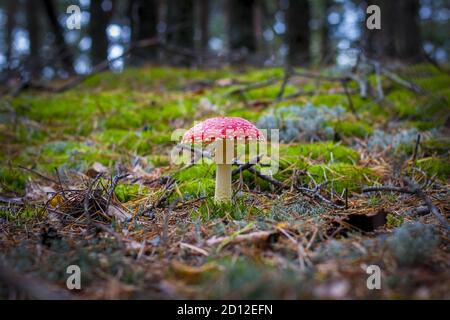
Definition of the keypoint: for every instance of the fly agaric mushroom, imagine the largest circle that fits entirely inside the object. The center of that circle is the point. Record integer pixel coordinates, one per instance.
(224, 132)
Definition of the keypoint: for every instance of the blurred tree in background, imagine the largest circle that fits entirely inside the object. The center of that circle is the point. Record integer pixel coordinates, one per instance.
(36, 43)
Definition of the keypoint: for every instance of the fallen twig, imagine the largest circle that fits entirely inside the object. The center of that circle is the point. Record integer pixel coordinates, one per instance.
(38, 174)
(415, 190)
(253, 86)
(349, 99)
(16, 200)
(433, 209)
(194, 248)
(252, 237)
(246, 165)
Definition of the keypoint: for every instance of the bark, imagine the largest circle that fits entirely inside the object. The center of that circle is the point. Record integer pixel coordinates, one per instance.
(97, 29)
(204, 27)
(409, 41)
(241, 25)
(298, 32)
(399, 37)
(181, 24)
(11, 9)
(144, 21)
(326, 50)
(34, 60)
(63, 52)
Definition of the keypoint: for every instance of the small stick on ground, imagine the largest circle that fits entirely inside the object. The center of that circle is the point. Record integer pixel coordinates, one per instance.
(287, 75)
(114, 182)
(349, 99)
(60, 184)
(40, 175)
(246, 165)
(416, 150)
(433, 209)
(415, 190)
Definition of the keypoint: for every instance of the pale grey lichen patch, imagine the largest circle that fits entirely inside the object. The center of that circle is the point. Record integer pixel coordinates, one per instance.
(413, 243)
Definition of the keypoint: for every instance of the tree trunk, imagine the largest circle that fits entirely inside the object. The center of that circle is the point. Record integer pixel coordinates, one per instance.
(408, 40)
(63, 51)
(241, 26)
(144, 21)
(258, 28)
(97, 29)
(180, 26)
(11, 10)
(34, 59)
(298, 32)
(399, 37)
(326, 49)
(203, 12)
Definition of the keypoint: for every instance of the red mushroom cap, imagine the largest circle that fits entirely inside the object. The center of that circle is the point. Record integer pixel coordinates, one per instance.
(233, 128)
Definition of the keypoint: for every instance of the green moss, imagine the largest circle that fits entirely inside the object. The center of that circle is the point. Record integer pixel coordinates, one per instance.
(245, 113)
(24, 213)
(329, 100)
(438, 146)
(127, 192)
(435, 166)
(358, 129)
(12, 180)
(342, 175)
(373, 201)
(438, 82)
(261, 74)
(143, 78)
(430, 147)
(393, 221)
(70, 154)
(197, 188)
(197, 180)
(269, 92)
(326, 151)
(404, 102)
(200, 170)
(424, 125)
(238, 209)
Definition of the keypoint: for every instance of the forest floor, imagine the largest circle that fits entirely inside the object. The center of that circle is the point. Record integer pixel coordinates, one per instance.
(86, 179)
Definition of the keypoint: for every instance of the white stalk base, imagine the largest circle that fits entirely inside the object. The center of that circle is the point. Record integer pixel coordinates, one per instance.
(223, 183)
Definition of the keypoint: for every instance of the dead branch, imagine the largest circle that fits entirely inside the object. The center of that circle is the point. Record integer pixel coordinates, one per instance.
(413, 189)
(246, 165)
(38, 174)
(416, 150)
(114, 182)
(317, 76)
(252, 237)
(253, 86)
(15, 201)
(271, 180)
(433, 209)
(387, 189)
(349, 99)
(287, 75)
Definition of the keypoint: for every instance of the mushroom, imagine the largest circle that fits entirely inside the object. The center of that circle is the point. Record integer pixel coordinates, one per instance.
(224, 132)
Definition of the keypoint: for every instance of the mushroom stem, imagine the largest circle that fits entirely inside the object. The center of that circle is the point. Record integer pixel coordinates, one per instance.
(223, 183)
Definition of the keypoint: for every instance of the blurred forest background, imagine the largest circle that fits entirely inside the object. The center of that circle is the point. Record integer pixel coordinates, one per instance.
(87, 177)
(35, 41)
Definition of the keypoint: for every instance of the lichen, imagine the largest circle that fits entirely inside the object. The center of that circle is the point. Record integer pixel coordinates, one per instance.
(302, 123)
(413, 243)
